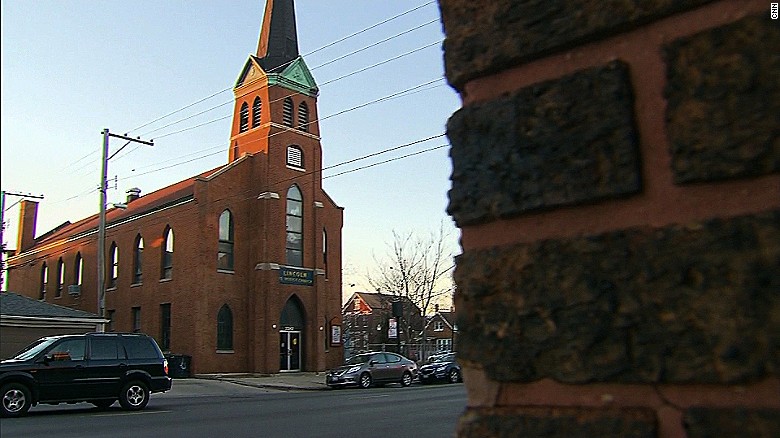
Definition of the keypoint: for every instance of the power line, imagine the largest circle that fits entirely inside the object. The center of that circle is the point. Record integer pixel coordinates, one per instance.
(408, 91)
(382, 99)
(306, 54)
(361, 70)
(331, 81)
(146, 134)
(381, 62)
(362, 49)
(251, 194)
(181, 109)
(411, 90)
(370, 27)
(386, 161)
(274, 69)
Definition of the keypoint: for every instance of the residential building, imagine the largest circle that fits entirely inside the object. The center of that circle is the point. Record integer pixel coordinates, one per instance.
(238, 267)
(369, 324)
(440, 331)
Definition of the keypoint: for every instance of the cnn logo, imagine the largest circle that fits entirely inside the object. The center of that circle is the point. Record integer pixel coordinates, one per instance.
(773, 11)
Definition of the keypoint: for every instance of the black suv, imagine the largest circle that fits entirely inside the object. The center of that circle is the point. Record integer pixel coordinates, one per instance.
(98, 368)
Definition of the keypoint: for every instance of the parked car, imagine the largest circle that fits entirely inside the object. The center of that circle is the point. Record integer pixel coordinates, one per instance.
(432, 358)
(444, 368)
(99, 368)
(368, 369)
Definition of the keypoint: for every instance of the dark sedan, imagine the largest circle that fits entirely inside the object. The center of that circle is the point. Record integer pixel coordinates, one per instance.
(444, 368)
(367, 369)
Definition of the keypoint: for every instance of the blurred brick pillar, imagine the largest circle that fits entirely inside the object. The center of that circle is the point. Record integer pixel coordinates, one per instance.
(616, 176)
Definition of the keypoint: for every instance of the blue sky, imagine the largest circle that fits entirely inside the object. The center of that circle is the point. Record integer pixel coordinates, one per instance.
(72, 68)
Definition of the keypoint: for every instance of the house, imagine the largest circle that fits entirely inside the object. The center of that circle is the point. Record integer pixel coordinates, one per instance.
(440, 332)
(251, 282)
(24, 320)
(369, 324)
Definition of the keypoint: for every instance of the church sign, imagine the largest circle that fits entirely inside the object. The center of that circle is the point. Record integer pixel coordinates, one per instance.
(301, 277)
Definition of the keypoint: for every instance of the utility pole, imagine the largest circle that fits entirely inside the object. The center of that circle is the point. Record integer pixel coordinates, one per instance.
(3, 194)
(101, 250)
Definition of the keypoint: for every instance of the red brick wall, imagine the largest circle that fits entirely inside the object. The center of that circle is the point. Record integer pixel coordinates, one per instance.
(616, 179)
(197, 290)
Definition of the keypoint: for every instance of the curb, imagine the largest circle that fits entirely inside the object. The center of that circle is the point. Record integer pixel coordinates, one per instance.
(236, 379)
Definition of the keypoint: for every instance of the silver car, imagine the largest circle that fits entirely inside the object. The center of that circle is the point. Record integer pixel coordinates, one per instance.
(367, 369)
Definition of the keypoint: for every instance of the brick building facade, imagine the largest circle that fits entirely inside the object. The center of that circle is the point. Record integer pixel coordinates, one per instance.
(616, 177)
(238, 267)
(367, 318)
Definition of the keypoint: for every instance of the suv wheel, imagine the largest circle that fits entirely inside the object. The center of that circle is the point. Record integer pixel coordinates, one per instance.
(134, 396)
(365, 380)
(16, 400)
(454, 376)
(406, 380)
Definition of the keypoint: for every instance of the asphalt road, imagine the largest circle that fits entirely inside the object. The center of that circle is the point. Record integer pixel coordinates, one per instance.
(201, 408)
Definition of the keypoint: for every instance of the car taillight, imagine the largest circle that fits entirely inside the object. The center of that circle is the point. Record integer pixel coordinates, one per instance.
(165, 366)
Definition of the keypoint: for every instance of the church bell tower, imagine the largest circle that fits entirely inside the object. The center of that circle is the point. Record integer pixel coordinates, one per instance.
(275, 94)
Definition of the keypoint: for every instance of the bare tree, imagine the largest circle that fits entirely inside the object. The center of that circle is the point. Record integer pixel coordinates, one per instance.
(417, 268)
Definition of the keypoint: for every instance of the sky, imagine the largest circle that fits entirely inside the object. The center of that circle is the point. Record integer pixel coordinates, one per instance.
(164, 70)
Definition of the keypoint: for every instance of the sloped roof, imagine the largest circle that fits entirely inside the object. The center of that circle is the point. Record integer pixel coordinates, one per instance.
(12, 304)
(449, 318)
(145, 203)
(377, 301)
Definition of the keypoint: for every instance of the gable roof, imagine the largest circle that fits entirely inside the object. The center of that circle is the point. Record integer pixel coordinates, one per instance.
(295, 76)
(12, 304)
(374, 301)
(449, 319)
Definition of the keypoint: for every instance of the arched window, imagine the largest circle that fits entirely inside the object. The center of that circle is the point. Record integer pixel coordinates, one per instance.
(243, 118)
(113, 265)
(287, 112)
(295, 156)
(137, 260)
(225, 328)
(78, 270)
(44, 281)
(167, 255)
(303, 117)
(257, 112)
(60, 277)
(225, 250)
(294, 244)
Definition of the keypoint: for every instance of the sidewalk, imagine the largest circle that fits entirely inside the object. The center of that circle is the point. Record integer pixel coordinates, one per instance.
(307, 381)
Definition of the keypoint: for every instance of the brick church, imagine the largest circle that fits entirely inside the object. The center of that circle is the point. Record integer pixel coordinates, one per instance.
(238, 267)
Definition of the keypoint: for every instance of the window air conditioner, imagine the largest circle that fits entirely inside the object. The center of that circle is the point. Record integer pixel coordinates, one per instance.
(74, 289)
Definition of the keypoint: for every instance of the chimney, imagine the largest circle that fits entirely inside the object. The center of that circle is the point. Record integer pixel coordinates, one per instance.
(133, 194)
(28, 217)
(436, 308)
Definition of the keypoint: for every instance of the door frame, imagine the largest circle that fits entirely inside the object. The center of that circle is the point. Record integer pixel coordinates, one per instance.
(288, 336)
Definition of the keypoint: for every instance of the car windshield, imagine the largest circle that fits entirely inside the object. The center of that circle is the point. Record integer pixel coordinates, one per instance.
(357, 360)
(446, 358)
(34, 348)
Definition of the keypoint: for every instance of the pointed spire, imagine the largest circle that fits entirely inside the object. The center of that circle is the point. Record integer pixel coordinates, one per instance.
(278, 43)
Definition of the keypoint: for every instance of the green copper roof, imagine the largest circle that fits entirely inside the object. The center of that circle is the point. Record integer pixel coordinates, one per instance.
(296, 77)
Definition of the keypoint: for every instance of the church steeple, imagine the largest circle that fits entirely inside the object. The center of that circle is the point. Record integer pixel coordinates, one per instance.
(276, 95)
(278, 45)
